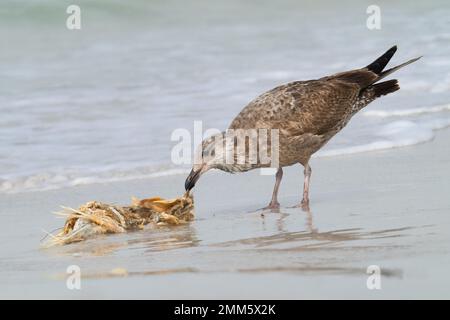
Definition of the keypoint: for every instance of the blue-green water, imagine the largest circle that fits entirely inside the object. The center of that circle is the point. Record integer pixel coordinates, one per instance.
(100, 103)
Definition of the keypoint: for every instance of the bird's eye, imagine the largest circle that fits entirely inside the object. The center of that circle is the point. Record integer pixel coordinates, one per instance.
(205, 153)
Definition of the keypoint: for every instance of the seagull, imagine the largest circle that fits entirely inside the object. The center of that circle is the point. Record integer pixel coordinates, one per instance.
(307, 114)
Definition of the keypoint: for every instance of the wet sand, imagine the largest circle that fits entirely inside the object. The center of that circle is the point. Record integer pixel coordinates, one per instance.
(387, 208)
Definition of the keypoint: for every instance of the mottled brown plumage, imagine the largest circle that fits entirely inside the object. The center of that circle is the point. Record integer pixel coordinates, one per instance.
(309, 113)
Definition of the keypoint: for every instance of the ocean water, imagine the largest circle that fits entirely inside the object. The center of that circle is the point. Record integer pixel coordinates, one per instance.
(100, 103)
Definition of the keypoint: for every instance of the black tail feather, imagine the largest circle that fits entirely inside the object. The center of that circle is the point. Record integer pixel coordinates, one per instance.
(378, 65)
(391, 70)
(385, 87)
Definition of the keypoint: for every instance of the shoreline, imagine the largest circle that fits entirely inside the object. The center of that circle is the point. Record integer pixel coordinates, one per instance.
(387, 208)
(354, 150)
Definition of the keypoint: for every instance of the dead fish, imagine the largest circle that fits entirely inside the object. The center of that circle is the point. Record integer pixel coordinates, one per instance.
(94, 218)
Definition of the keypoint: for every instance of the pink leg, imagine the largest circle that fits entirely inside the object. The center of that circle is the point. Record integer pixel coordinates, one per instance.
(305, 200)
(274, 204)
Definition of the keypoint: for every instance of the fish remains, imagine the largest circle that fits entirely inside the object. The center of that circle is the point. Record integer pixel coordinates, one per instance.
(95, 218)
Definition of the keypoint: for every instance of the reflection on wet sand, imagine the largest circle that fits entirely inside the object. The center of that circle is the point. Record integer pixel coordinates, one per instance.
(316, 239)
(397, 273)
(313, 270)
(282, 217)
(305, 251)
(167, 238)
(311, 238)
(121, 273)
(160, 239)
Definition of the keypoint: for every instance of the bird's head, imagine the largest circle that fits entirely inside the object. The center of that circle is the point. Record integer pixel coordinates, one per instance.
(209, 155)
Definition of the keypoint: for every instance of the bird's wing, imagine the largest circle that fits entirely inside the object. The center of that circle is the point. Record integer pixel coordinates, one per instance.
(300, 107)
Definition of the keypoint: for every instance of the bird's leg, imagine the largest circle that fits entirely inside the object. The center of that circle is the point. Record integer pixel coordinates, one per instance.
(274, 204)
(307, 173)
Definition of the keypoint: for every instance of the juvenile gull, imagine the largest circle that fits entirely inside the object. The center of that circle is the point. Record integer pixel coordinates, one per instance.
(307, 115)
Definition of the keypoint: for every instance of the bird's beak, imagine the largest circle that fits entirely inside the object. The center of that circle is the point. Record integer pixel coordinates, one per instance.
(192, 179)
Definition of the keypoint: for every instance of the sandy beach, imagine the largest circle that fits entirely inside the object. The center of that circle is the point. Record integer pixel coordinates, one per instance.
(387, 208)
(106, 100)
